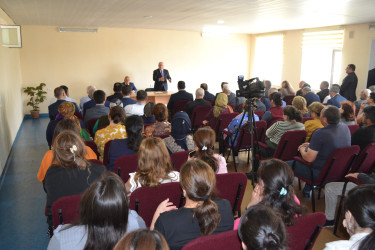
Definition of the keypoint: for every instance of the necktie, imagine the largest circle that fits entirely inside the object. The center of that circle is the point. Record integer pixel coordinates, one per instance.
(161, 72)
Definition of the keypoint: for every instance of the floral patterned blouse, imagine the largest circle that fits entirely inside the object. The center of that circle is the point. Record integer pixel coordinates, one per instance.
(106, 134)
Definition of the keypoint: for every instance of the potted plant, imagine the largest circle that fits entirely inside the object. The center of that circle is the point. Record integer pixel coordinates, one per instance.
(37, 96)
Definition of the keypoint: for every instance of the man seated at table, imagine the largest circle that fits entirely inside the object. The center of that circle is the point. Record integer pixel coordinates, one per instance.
(128, 83)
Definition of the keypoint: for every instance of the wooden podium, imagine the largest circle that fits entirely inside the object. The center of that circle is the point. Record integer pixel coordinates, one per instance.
(156, 96)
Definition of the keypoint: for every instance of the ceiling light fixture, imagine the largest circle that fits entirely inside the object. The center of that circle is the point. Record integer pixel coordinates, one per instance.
(147, 17)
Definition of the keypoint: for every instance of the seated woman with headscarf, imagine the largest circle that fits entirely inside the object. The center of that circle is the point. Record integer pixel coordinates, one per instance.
(179, 139)
(221, 107)
(66, 111)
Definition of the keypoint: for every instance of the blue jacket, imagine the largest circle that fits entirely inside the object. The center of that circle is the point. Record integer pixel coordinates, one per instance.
(335, 101)
(311, 97)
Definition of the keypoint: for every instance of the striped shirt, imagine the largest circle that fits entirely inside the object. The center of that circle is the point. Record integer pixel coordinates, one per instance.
(277, 130)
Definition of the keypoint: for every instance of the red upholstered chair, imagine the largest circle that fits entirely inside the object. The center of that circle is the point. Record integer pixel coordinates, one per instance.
(353, 128)
(335, 169)
(124, 165)
(288, 99)
(223, 122)
(259, 113)
(231, 186)
(145, 200)
(179, 106)
(221, 241)
(161, 136)
(65, 210)
(304, 119)
(273, 120)
(198, 115)
(178, 159)
(288, 145)
(93, 146)
(211, 101)
(303, 234)
(105, 153)
(90, 126)
(79, 115)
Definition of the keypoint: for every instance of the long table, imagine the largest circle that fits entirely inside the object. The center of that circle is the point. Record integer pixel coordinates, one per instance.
(156, 96)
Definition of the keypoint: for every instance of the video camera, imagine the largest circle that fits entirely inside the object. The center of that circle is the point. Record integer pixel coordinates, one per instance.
(250, 88)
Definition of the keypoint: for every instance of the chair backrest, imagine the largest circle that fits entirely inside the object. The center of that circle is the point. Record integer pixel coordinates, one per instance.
(304, 119)
(337, 165)
(105, 153)
(178, 159)
(303, 234)
(244, 136)
(198, 115)
(224, 120)
(353, 128)
(145, 200)
(273, 120)
(288, 99)
(65, 210)
(79, 115)
(93, 146)
(221, 241)
(289, 143)
(259, 113)
(365, 162)
(261, 130)
(179, 106)
(124, 165)
(90, 126)
(231, 186)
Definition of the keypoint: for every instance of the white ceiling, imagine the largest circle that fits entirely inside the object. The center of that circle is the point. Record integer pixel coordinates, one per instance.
(240, 16)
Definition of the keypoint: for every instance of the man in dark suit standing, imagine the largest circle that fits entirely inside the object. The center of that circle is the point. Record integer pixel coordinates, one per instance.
(349, 84)
(180, 95)
(371, 78)
(127, 82)
(324, 90)
(160, 77)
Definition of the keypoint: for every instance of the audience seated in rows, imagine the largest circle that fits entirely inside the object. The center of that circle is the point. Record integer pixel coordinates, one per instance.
(90, 104)
(370, 102)
(104, 218)
(299, 102)
(315, 109)
(47, 161)
(221, 107)
(117, 93)
(137, 108)
(60, 95)
(179, 96)
(359, 220)
(70, 172)
(301, 85)
(67, 98)
(179, 139)
(276, 109)
(262, 228)
(336, 98)
(154, 166)
(142, 239)
(161, 126)
(207, 95)
(310, 96)
(324, 90)
(324, 141)
(129, 145)
(148, 117)
(90, 95)
(286, 89)
(127, 82)
(201, 215)
(99, 109)
(266, 100)
(199, 101)
(366, 134)
(126, 99)
(204, 139)
(347, 111)
(115, 129)
(66, 111)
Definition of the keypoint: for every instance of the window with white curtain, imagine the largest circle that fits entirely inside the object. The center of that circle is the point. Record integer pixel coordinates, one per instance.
(268, 59)
(321, 57)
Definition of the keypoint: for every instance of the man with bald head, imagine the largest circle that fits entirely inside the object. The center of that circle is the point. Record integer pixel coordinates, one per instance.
(300, 85)
(128, 82)
(160, 77)
(199, 101)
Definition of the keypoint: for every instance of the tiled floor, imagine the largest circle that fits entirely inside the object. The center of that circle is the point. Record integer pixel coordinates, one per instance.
(22, 199)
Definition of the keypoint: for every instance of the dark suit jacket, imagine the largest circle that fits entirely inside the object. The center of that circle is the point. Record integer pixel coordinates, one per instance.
(323, 94)
(208, 96)
(311, 97)
(95, 112)
(371, 78)
(90, 104)
(180, 95)
(158, 85)
(114, 97)
(191, 105)
(127, 101)
(131, 85)
(335, 101)
(54, 107)
(348, 87)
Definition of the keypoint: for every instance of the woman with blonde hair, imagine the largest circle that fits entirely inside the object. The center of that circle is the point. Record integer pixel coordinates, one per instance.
(287, 88)
(315, 109)
(221, 107)
(154, 166)
(201, 215)
(299, 102)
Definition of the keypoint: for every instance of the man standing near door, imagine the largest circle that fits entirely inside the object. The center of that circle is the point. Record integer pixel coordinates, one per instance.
(349, 84)
(160, 77)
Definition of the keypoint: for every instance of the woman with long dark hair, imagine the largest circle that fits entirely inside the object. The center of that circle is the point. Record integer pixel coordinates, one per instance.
(104, 217)
(129, 145)
(359, 219)
(201, 215)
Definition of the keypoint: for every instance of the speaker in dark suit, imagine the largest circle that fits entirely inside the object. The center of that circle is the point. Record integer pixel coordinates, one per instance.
(160, 77)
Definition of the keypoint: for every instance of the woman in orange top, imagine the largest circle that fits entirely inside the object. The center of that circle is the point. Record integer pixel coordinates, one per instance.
(65, 124)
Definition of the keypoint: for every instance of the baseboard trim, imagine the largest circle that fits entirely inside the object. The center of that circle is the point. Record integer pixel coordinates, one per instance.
(42, 115)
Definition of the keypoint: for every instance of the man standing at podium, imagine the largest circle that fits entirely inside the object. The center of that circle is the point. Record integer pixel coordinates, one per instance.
(160, 77)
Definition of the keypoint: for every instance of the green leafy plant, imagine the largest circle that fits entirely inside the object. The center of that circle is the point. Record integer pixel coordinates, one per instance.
(37, 95)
